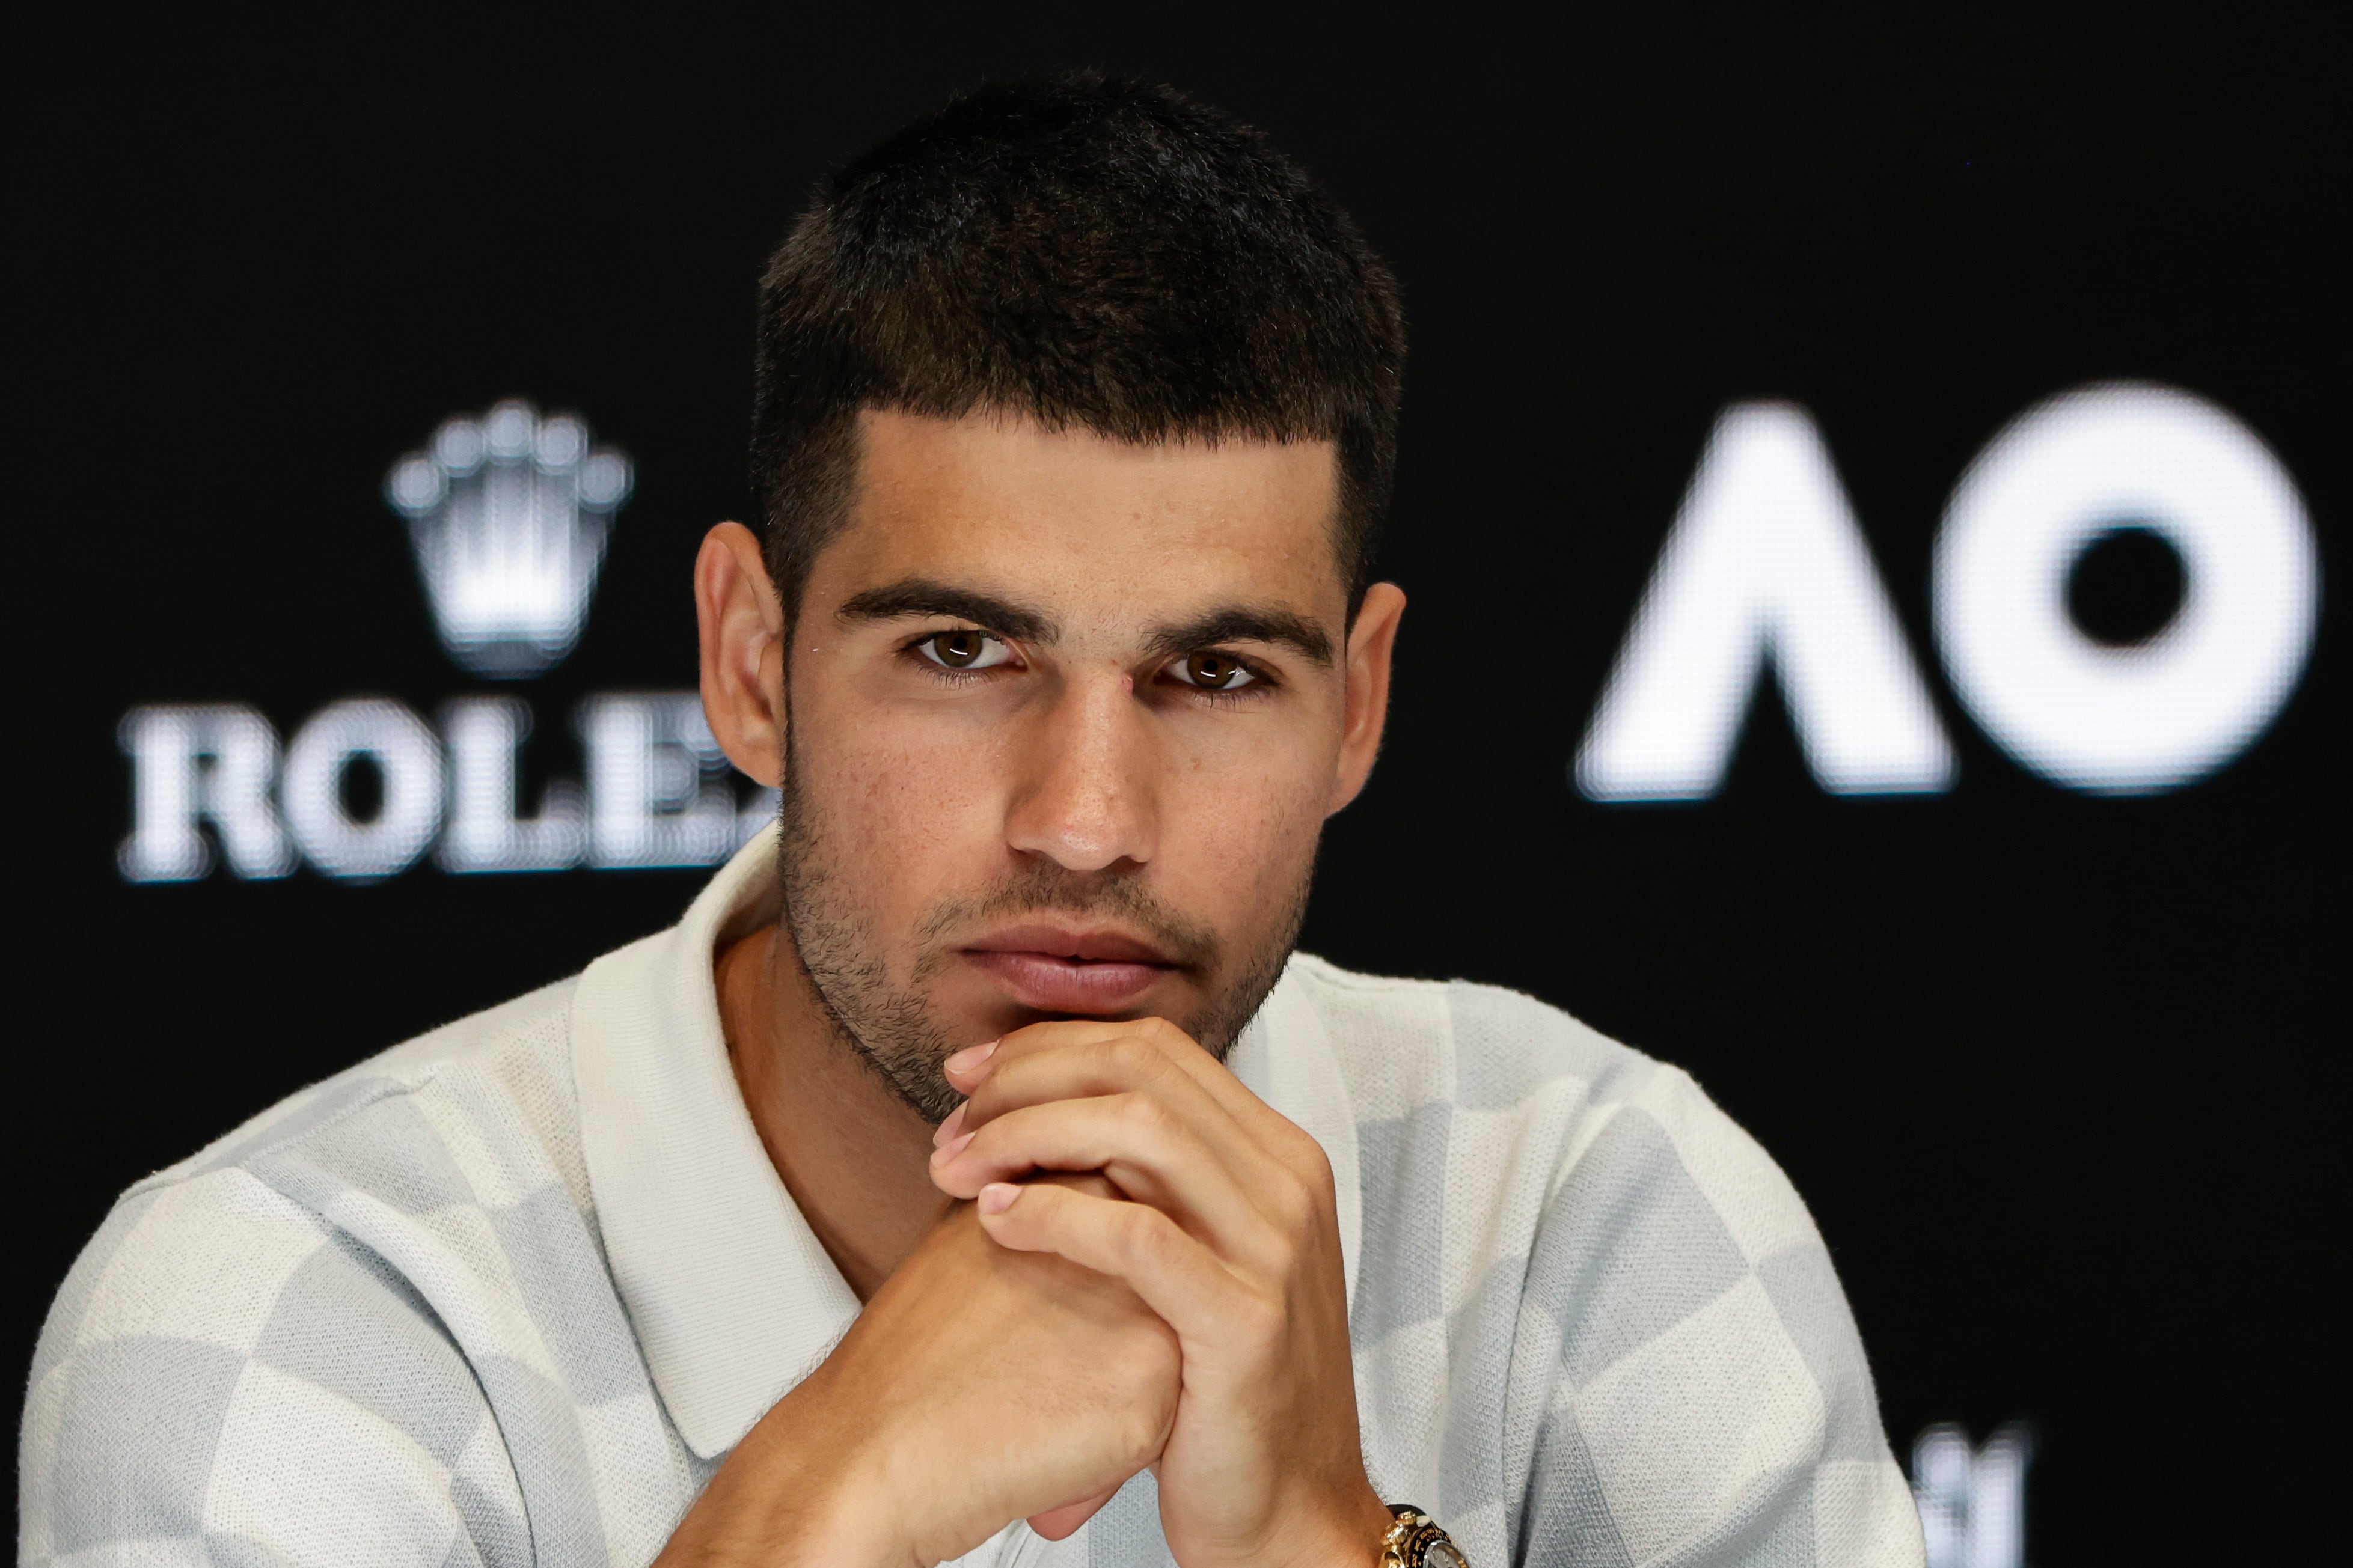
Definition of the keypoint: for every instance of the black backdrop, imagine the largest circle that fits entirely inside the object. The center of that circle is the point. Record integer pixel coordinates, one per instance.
(2054, 1070)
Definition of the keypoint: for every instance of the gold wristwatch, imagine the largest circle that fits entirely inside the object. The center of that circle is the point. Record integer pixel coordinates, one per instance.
(1414, 1540)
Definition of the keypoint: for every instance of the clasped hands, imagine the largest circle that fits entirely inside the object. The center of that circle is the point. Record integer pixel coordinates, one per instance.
(1147, 1274)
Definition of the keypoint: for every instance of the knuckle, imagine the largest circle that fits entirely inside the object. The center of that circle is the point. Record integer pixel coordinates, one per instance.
(1145, 1232)
(1295, 1206)
(1139, 1058)
(1143, 1419)
(1111, 1060)
(1315, 1163)
(1260, 1321)
(997, 1094)
(1141, 1114)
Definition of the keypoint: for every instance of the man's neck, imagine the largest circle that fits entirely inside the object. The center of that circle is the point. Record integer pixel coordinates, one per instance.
(854, 1156)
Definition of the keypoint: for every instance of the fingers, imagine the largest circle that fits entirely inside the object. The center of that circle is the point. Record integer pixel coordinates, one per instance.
(1176, 1276)
(1157, 1044)
(1107, 1067)
(1149, 1154)
(1125, 1137)
(1145, 1106)
(1141, 1103)
(1085, 1058)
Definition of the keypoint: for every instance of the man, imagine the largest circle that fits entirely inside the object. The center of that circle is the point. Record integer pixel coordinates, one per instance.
(974, 1173)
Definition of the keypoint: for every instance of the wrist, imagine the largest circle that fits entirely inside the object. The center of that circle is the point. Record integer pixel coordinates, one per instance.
(798, 1489)
(1368, 1522)
(1340, 1528)
(850, 1520)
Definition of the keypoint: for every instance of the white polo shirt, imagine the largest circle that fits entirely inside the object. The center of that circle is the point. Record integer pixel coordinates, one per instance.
(510, 1292)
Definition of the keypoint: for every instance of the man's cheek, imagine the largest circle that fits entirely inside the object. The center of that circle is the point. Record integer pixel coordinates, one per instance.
(910, 795)
(893, 843)
(910, 820)
(1249, 850)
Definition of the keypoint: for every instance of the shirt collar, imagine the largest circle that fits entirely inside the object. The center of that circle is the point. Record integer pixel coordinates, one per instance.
(732, 1296)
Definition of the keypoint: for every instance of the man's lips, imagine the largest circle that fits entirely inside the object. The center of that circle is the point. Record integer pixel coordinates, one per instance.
(1054, 969)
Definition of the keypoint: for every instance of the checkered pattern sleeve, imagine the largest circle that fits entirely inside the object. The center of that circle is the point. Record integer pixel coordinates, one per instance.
(1594, 1323)
(1694, 1391)
(226, 1378)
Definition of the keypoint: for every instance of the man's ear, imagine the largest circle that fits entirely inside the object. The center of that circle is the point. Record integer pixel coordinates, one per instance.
(1370, 643)
(741, 623)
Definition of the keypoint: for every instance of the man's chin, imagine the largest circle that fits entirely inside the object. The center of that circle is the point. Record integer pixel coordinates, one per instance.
(967, 1006)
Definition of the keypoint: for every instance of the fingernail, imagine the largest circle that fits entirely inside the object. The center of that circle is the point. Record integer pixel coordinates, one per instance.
(998, 1197)
(948, 1128)
(969, 1058)
(951, 1149)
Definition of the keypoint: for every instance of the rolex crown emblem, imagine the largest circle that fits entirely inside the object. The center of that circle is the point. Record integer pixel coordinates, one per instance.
(509, 515)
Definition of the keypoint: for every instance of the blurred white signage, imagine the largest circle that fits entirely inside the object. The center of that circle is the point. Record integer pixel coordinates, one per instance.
(508, 514)
(1766, 568)
(1972, 1501)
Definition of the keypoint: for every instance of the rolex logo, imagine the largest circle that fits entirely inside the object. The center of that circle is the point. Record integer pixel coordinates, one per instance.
(509, 515)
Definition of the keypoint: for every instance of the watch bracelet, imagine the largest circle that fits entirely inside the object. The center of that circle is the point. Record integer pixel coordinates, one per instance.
(1408, 1541)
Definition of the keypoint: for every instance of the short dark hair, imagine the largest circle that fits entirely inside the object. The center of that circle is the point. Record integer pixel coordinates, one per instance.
(1087, 251)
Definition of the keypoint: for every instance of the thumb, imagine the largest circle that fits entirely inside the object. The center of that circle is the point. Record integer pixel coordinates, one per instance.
(1056, 1523)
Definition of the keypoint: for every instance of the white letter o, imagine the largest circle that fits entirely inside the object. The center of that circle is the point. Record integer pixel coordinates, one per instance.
(410, 760)
(2134, 719)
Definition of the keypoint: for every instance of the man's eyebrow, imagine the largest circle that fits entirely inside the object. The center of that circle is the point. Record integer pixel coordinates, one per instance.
(925, 597)
(1247, 623)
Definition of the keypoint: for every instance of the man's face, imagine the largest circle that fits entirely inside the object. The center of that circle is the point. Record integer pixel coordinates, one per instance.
(1065, 718)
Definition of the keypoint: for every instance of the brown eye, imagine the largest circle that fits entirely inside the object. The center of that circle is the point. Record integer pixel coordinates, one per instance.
(963, 650)
(1214, 672)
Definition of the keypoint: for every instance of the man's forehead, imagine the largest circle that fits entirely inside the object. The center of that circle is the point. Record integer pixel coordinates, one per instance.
(1090, 529)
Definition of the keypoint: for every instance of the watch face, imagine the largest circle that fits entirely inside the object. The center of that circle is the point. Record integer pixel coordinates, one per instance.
(1443, 1555)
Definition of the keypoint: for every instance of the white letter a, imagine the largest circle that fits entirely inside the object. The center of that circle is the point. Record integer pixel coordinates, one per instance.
(1765, 562)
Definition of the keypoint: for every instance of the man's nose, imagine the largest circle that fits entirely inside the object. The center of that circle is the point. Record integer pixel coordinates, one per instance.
(1088, 799)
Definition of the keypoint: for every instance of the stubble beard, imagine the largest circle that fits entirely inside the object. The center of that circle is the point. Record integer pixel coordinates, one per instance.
(890, 1025)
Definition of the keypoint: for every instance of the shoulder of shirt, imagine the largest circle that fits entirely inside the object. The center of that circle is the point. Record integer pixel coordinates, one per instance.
(1526, 1069)
(1402, 1042)
(480, 1112)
